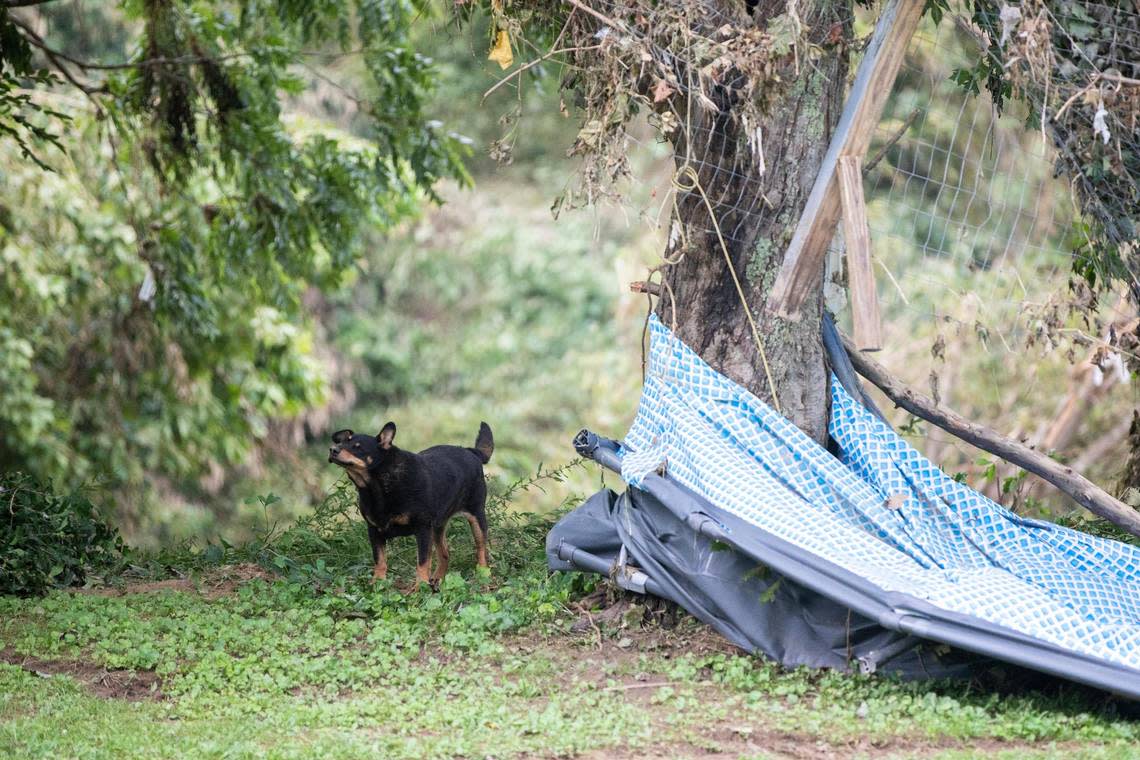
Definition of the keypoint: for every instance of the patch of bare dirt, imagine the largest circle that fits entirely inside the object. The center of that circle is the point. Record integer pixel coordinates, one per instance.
(213, 584)
(131, 685)
(766, 743)
(746, 742)
(227, 579)
(613, 634)
(637, 623)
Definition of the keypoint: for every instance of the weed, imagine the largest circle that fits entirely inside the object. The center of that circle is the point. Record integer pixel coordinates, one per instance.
(49, 539)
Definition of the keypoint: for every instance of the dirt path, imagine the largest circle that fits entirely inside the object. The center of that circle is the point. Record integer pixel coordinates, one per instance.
(131, 685)
(216, 583)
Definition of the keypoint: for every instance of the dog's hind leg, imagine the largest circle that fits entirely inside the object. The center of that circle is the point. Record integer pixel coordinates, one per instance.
(423, 555)
(479, 532)
(442, 555)
(476, 514)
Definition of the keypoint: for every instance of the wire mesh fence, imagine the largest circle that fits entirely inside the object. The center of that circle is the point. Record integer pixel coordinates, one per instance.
(975, 214)
(986, 198)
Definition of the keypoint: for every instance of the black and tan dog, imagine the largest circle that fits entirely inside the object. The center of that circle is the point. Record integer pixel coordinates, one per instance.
(406, 494)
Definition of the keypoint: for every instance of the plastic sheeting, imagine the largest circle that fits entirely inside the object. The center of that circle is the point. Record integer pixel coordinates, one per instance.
(866, 553)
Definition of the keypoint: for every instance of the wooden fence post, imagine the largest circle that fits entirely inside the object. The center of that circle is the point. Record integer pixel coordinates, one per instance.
(867, 324)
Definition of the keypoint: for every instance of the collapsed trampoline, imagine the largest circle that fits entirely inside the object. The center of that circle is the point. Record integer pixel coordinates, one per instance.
(870, 557)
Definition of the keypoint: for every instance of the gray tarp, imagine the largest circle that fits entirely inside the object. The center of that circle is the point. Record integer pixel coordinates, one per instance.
(681, 554)
(768, 595)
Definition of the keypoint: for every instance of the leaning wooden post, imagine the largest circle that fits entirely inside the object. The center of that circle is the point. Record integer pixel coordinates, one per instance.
(865, 319)
(803, 261)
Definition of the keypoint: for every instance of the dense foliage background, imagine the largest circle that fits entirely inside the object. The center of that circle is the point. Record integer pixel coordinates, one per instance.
(216, 244)
(166, 238)
(245, 224)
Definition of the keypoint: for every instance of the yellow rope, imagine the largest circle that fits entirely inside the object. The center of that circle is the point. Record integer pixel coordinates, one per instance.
(649, 310)
(686, 179)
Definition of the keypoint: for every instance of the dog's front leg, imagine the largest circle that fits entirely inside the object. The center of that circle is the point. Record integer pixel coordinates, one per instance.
(423, 555)
(379, 554)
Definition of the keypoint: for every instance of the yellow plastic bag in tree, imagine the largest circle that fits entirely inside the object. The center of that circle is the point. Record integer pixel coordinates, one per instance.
(501, 50)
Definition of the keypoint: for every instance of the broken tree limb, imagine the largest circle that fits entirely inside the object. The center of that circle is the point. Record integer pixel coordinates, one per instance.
(641, 286)
(890, 143)
(1063, 477)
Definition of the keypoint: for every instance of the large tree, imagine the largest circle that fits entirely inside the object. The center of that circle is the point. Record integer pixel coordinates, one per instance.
(757, 164)
(747, 95)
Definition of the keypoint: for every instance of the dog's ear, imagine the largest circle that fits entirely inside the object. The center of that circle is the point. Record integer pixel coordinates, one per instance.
(387, 435)
(341, 436)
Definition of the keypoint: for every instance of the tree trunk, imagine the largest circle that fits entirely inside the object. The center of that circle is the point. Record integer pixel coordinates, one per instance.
(758, 196)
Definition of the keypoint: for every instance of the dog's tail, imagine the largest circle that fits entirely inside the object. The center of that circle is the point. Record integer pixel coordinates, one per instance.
(484, 443)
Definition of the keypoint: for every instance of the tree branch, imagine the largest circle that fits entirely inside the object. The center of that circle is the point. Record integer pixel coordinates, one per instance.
(641, 286)
(867, 167)
(1063, 477)
(88, 90)
(531, 64)
(599, 16)
(54, 55)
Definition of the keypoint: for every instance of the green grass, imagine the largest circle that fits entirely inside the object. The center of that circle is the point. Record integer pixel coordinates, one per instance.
(316, 662)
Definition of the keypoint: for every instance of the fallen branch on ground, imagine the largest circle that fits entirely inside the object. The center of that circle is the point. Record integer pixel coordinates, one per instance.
(653, 685)
(1063, 477)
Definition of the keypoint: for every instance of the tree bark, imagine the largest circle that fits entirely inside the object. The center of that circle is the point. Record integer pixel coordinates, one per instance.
(757, 197)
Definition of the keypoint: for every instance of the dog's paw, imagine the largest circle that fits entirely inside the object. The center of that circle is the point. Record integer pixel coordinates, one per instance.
(433, 584)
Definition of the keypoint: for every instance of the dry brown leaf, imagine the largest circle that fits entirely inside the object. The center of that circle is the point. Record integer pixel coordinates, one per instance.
(938, 349)
(501, 50)
(834, 34)
(661, 91)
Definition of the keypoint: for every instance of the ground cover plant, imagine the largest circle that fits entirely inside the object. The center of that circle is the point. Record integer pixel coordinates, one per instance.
(185, 327)
(279, 647)
(50, 539)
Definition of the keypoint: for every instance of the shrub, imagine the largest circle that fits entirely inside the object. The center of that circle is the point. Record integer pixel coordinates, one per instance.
(49, 539)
